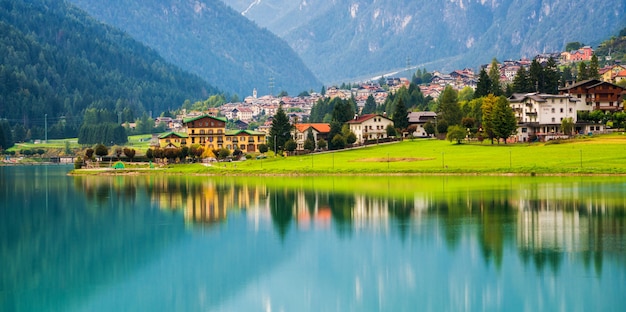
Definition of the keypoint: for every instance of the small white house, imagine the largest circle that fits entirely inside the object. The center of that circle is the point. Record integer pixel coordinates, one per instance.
(369, 127)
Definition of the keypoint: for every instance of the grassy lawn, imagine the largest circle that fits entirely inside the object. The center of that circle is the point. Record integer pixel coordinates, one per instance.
(596, 155)
(138, 142)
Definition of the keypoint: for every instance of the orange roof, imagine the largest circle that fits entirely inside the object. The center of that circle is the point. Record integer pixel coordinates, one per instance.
(621, 73)
(319, 127)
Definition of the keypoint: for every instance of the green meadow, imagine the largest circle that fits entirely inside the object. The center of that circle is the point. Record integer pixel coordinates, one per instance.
(586, 155)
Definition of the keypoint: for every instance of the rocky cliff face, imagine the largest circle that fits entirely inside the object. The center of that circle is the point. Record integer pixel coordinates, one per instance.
(209, 39)
(344, 39)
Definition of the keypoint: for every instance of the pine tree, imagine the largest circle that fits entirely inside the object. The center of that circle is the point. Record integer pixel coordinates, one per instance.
(521, 82)
(551, 80)
(280, 131)
(504, 121)
(449, 110)
(370, 105)
(483, 86)
(401, 115)
(583, 72)
(593, 68)
(536, 76)
(494, 77)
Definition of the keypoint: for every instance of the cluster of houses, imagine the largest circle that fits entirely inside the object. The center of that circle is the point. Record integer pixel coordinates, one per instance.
(538, 115)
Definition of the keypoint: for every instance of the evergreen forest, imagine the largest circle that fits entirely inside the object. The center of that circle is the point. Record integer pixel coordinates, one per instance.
(57, 62)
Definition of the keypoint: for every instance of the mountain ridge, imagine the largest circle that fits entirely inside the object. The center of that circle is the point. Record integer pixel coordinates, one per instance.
(209, 39)
(58, 61)
(342, 39)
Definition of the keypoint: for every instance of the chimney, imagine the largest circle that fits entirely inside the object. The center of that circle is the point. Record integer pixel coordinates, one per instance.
(355, 116)
(384, 114)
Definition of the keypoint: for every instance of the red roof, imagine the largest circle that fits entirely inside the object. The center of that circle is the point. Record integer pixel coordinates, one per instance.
(319, 127)
(365, 117)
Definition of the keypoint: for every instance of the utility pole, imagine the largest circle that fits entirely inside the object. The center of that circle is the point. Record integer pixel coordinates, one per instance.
(46, 127)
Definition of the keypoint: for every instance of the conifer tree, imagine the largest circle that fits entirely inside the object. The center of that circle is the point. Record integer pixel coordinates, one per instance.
(400, 115)
(449, 110)
(280, 131)
(370, 105)
(483, 86)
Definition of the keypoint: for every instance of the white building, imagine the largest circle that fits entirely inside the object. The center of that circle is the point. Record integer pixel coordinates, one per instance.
(541, 115)
(369, 127)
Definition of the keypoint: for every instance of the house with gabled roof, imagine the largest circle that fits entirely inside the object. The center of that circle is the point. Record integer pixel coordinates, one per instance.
(369, 127)
(173, 139)
(206, 130)
(419, 119)
(598, 94)
(244, 140)
(301, 131)
(541, 115)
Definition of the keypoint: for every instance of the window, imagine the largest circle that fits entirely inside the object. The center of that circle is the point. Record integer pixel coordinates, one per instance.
(201, 131)
(211, 131)
(552, 111)
(570, 110)
(561, 109)
(553, 120)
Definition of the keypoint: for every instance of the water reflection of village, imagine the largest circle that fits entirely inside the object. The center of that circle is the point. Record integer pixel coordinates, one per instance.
(543, 223)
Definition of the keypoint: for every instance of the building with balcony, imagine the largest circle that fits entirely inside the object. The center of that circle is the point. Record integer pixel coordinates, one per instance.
(541, 115)
(598, 94)
(318, 130)
(369, 127)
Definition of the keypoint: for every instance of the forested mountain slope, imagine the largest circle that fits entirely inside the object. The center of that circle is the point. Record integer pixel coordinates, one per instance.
(57, 61)
(208, 38)
(343, 39)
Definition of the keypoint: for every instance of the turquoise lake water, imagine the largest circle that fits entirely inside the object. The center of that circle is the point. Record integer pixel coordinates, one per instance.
(424, 243)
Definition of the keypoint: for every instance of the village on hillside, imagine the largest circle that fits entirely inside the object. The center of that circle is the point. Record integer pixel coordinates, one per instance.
(539, 116)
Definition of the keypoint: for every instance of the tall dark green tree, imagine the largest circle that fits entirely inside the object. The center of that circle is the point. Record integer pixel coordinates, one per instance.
(335, 131)
(504, 121)
(536, 76)
(594, 68)
(483, 85)
(521, 82)
(280, 131)
(494, 77)
(449, 110)
(400, 116)
(370, 105)
(583, 72)
(551, 78)
(566, 75)
(6, 138)
(343, 110)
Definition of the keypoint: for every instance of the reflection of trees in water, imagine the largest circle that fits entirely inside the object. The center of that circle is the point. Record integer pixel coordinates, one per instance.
(103, 190)
(281, 209)
(543, 222)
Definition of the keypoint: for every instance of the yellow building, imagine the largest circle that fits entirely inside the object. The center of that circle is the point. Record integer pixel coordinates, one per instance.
(208, 131)
(246, 140)
(173, 139)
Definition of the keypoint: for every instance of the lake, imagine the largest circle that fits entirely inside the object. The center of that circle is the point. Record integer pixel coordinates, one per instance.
(376, 243)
